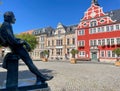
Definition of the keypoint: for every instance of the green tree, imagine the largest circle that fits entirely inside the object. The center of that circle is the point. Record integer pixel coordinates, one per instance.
(31, 39)
(117, 52)
(73, 52)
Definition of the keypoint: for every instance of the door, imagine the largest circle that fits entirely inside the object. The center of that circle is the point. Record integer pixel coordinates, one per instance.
(94, 56)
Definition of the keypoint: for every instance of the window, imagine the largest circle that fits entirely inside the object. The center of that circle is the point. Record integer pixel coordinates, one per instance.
(59, 32)
(90, 31)
(85, 24)
(94, 30)
(93, 23)
(102, 29)
(112, 41)
(99, 42)
(73, 41)
(81, 32)
(107, 28)
(93, 42)
(52, 51)
(108, 53)
(42, 38)
(48, 43)
(111, 28)
(118, 40)
(59, 51)
(108, 41)
(113, 54)
(102, 21)
(99, 30)
(102, 53)
(82, 53)
(117, 27)
(81, 43)
(52, 42)
(68, 41)
(42, 46)
(68, 51)
(59, 42)
(103, 41)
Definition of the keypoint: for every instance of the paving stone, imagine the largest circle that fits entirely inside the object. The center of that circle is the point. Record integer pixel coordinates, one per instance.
(82, 76)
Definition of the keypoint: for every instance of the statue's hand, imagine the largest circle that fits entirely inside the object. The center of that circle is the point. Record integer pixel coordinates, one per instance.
(20, 42)
(23, 42)
(27, 46)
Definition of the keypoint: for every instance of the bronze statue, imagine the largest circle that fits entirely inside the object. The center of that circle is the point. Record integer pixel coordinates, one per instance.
(16, 46)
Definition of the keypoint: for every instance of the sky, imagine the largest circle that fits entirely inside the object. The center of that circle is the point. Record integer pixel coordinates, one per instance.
(35, 14)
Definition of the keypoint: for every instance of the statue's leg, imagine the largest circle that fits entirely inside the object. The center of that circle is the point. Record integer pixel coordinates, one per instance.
(28, 61)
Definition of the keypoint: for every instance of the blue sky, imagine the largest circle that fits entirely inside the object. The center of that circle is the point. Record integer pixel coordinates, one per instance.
(34, 14)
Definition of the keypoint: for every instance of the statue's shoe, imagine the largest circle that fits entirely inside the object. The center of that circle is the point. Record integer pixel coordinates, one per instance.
(43, 79)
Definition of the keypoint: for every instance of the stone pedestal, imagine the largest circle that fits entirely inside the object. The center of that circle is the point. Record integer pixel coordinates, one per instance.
(11, 64)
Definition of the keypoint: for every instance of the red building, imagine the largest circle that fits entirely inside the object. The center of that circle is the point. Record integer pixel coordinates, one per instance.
(98, 33)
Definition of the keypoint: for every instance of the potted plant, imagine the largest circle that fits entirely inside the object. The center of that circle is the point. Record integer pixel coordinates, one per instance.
(117, 52)
(45, 53)
(73, 52)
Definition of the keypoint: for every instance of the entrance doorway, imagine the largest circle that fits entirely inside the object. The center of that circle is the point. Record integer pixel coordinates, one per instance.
(94, 56)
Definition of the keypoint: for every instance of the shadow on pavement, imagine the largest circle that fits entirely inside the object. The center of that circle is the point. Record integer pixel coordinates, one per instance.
(24, 74)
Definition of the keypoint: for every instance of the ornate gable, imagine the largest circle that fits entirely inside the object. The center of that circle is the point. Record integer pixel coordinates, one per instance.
(94, 13)
(60, 29)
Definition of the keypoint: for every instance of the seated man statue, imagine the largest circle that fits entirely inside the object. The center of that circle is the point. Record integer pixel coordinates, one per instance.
(16, 46)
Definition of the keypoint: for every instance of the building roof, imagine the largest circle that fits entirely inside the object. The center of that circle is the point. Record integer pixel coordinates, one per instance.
(49, 31)
(27, 32)
(71, 29)
(46, 30)
(114, 14)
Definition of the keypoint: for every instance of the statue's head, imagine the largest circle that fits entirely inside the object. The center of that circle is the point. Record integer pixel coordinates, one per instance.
(9, 17)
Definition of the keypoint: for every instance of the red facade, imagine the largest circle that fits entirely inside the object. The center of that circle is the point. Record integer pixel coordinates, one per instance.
(98, 33)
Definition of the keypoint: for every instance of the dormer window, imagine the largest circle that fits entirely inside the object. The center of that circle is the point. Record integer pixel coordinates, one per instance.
(59, 32)
(93, 23)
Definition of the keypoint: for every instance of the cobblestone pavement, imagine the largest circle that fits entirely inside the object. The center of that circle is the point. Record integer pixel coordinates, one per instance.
(83, 76)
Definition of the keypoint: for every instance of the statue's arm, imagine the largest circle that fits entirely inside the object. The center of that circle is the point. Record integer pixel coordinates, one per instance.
(23, 42)
(10, 36)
